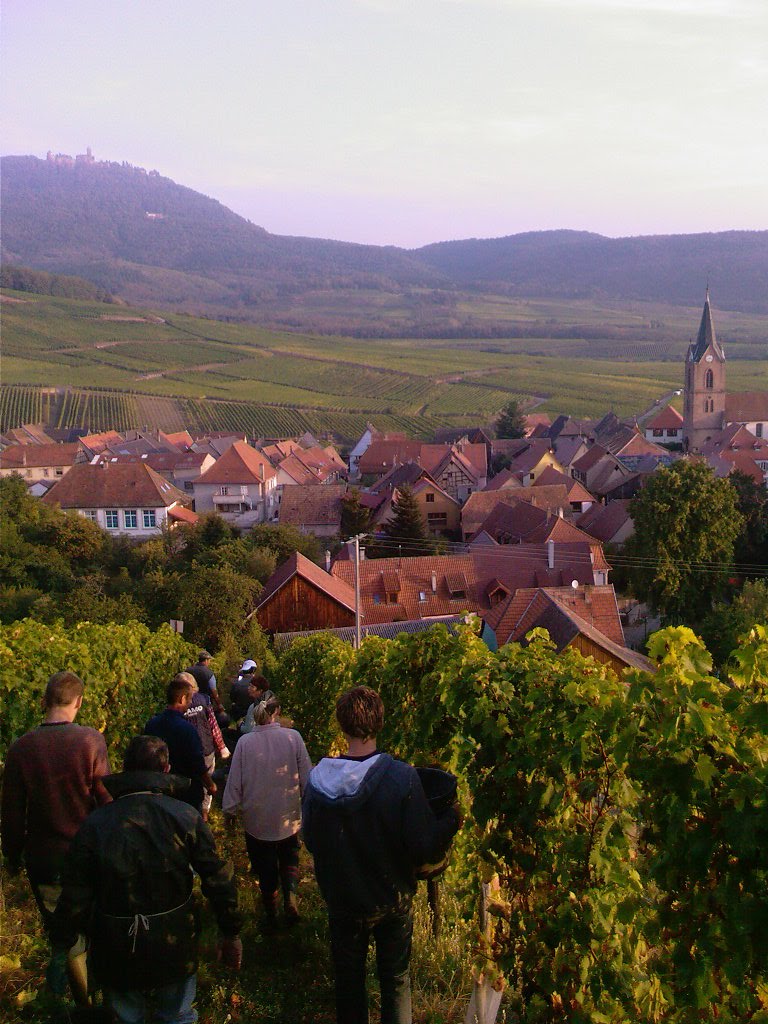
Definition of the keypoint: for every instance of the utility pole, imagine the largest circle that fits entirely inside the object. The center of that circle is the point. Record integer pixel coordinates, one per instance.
(357, 592)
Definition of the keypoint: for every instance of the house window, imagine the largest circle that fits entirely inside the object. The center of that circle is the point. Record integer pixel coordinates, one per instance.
(92, 514)
(59, 472)
(111, 518)
(148, 516)
(758, 430)
(430, 496)
(437, 519)
(709, 379)
(672, 432)
(224, 491)
(130, 519)
(46, 474)
(188, 485)
(658, 432)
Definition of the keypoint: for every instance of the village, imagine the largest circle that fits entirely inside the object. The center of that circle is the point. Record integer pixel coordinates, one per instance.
(518, 531)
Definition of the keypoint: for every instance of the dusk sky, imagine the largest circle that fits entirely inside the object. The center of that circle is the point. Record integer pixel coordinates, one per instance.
(411, 121)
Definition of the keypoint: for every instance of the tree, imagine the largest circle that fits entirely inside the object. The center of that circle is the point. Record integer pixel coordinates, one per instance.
(405, 529)
(686, 525)
(752, 542)
(724, 625)
(355, 517)
(511, 421)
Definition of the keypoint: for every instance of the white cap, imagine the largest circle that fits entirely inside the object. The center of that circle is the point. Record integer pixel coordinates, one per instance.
(247, 665)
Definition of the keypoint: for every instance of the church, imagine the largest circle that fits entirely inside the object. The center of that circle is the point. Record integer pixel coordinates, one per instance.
(709, 412)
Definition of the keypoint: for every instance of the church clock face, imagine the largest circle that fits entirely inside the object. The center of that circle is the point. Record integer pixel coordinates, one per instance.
(708, 359)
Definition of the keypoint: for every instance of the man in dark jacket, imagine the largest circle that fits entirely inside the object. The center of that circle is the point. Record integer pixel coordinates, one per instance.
(127, 883)
(186, 749)
(369, 826)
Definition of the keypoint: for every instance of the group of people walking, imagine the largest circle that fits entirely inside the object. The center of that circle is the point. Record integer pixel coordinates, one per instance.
(111, 858)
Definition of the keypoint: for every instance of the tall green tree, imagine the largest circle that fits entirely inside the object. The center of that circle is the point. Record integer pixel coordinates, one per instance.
(405, 531)
(355, 517)
(511, 421)
(682, 551)
(752, 542)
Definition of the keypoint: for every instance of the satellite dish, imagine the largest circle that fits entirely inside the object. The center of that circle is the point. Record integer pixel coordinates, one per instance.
(575, 584)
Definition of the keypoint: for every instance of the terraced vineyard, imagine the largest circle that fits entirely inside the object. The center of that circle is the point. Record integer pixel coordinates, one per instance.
(117, 367)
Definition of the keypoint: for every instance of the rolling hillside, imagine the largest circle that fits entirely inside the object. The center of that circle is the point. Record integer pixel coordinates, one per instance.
(150, 241)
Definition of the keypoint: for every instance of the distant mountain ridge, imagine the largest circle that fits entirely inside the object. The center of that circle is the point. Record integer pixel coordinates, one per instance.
(151, 241)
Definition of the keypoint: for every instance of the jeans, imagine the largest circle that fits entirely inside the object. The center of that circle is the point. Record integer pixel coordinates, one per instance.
(173, 1003)
(392, 932)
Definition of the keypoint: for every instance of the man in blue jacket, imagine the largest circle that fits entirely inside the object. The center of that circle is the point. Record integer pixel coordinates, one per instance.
(369, 826)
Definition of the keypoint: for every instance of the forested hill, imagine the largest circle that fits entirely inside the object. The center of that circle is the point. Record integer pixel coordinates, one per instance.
(579, 264)
(146, 239)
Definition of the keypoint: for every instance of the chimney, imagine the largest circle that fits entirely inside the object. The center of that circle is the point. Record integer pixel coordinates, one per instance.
(261, 471)
(434, 582)
(327, 561)
(551, 554)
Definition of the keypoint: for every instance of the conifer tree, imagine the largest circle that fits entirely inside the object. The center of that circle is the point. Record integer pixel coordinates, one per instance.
(405, 529)
(511, 421)
(355, 517)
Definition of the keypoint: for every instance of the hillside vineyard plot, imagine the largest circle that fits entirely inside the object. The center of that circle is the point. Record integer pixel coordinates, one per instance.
(247, 374)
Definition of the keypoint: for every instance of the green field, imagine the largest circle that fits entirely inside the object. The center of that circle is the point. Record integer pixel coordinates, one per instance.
(163, 371)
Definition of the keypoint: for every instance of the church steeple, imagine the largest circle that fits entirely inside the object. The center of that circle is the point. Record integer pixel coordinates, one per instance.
(704, 391)
(706, 336)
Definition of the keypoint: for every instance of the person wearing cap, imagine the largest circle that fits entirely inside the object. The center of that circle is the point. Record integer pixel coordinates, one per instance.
(206, 680)
(127, 883)
(239, 696)
(369, 827)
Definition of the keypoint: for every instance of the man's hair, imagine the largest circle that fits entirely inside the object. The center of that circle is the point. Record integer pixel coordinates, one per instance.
(360, 712)
(63, 688)
(259, 682)
(181, 684)
(265, 709)
(146, 754)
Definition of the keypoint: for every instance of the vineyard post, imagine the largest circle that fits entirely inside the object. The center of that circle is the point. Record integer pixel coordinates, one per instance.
(485, 1000)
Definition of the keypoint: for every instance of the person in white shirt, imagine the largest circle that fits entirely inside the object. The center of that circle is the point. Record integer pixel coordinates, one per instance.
(270, 769)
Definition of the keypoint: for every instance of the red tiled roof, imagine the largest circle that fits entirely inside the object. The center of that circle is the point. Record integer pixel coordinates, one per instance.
(183, 515)
(240, 464)
(576, 491)
(298, 470)
(97, 443)
(113, 485)
(603, 522)
(595, 606)
(30, 433)
(480, 504)
(513, 566)
(21, 456)
(312, 505)
(590, 458)
(668, 419)
(297, 564)
(746, 462)
(747, 407)
(179, 438)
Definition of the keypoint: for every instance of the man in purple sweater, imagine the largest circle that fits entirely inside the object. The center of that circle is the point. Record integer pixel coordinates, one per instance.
(52, 782)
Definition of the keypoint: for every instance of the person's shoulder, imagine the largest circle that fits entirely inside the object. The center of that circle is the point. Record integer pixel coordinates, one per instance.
(88, 734)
